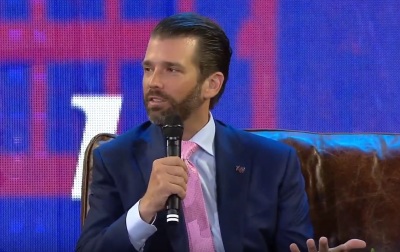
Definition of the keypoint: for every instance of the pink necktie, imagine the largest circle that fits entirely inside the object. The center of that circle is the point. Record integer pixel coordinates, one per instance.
(197, 225)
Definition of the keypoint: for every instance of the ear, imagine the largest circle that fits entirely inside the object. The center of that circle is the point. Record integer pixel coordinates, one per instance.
(213, 85)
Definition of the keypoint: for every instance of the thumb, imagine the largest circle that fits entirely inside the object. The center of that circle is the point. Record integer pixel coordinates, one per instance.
(355, 244)
(350, 244)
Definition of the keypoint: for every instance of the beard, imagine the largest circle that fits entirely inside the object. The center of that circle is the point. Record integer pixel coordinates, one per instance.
(191, 102)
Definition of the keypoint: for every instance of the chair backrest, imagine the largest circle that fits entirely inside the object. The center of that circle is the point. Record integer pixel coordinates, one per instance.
(88, 169)
(352, 182)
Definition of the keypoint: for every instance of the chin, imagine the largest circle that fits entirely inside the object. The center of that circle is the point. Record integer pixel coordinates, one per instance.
(156, 118)
(158, 115)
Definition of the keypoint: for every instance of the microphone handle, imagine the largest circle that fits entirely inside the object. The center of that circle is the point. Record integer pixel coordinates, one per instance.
(173, 208)
(173, 148)
(173, 202)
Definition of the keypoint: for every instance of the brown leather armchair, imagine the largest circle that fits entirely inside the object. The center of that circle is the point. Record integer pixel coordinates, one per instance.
(352, 182)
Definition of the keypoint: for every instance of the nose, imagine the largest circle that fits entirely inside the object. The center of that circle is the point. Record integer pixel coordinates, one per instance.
(154, 80)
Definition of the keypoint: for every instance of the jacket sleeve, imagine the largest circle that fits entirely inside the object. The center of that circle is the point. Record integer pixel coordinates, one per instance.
(294, 224)
(105, 226)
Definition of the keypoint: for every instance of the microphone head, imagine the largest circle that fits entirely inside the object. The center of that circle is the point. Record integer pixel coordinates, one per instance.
(173, 127)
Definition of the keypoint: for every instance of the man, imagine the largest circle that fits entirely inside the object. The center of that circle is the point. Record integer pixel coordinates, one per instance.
(252, 187)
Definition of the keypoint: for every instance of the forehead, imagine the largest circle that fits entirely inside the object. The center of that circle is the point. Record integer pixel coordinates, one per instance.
(180, 49)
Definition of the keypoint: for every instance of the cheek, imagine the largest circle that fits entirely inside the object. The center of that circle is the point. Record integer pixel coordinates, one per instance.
(146, 86)
(180, 90)
(145, 80)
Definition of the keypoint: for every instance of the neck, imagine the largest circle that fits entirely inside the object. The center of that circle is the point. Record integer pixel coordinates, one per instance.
(194, 124)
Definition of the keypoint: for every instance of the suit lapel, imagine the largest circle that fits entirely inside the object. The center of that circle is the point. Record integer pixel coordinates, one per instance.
(149, 147)
(232, 178)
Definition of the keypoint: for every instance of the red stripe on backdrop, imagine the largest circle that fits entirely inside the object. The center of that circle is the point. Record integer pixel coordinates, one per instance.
(186, 6)
(74, 40)
(38, 11)
(105, 39)
(38, 83)
(38, 104)
(257, 42)
(113, 11)
(112, 75)
(52, 175)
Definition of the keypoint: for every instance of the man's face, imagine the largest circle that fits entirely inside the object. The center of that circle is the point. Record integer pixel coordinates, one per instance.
(170, 78)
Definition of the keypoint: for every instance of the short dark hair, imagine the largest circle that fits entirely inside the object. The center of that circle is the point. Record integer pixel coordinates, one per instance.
(214, 51)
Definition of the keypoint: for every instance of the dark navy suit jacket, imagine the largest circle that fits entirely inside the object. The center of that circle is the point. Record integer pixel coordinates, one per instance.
(264, 208)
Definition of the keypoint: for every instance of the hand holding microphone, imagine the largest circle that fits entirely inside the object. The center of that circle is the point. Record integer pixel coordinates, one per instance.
(168, 177)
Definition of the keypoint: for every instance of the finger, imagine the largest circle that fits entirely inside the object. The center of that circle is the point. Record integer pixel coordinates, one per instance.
(177, 171)
(160, 168)
(163, 165)
(172, 160)
(166, 189)
(311, 246)
(349, 245)
(177, 180)
(323, 244)
(293, 248)
(355, 244)
(178, 190)
(165, 184)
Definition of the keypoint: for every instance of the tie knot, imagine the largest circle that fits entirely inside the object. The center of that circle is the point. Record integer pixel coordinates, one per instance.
(188, 148)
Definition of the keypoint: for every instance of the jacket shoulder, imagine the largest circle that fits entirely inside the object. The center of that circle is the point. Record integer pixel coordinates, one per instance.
(126, 140)
(250, 140)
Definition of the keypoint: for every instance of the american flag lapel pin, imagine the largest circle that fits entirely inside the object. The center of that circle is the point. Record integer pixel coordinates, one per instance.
(240, 169)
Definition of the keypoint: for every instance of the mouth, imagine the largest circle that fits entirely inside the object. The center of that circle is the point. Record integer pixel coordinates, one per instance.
(155, 101)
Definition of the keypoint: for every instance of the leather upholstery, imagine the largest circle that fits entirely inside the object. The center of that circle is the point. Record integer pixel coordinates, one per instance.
(352, 182)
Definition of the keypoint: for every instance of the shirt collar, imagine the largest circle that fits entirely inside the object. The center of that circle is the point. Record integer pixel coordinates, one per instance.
(205, 137)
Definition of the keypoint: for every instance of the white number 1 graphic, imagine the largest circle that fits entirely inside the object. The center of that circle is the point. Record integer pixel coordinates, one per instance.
(102, 114)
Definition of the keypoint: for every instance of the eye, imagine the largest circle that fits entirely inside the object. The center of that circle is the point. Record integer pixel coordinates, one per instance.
(146, 69)
(172, 70)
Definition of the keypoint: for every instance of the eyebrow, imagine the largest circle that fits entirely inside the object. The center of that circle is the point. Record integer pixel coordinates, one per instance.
(165, 63)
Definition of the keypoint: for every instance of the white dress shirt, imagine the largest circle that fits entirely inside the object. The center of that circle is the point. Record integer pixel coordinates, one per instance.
(204, 160)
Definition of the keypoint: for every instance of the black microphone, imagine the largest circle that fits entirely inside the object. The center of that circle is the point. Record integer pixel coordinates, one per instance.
(173, 131)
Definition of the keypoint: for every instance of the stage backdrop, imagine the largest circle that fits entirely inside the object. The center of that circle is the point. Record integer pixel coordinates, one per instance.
(70, 69)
